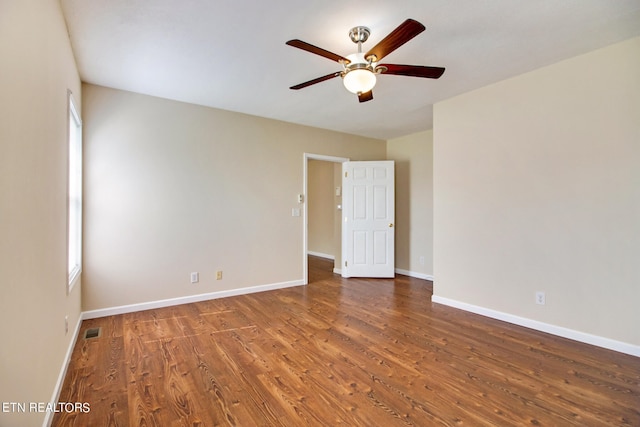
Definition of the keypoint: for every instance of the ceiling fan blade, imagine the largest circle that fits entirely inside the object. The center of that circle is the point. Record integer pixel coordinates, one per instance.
(405, 32)
(366, 96)
(317, 50)
(412, 70)
(314, 81)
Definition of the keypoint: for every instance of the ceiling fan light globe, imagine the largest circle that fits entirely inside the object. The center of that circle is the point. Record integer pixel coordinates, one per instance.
(359, 81)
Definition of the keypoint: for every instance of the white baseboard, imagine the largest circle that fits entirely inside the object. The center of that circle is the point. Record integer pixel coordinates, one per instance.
(321, 255)
(560, 331)
(48, 418)
(414, 274)
(103, 312)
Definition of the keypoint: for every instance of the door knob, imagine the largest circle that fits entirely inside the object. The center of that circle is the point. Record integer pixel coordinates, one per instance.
(390, 225)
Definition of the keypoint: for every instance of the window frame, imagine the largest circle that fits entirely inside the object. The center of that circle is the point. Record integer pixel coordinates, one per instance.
(74, 193)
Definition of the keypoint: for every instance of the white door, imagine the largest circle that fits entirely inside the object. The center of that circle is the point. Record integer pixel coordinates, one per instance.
(368, 207)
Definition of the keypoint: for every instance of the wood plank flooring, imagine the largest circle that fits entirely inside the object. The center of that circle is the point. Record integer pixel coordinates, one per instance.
(348, 352)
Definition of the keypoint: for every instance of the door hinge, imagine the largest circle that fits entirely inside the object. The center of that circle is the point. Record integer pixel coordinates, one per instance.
(346, 174)
(345, 263)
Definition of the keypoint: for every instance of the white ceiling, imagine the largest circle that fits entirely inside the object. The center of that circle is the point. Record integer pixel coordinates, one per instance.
(231, 54)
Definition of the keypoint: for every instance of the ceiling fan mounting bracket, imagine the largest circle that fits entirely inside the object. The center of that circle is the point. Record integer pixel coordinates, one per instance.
(359, 34)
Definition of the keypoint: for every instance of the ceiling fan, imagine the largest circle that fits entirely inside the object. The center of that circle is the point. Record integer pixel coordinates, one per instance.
(359, 69)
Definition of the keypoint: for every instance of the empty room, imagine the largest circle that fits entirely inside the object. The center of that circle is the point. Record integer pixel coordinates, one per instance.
(324, 213)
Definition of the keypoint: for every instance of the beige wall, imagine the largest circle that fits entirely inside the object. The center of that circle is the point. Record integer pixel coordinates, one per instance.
(173, 188)
(36, 69)
(413, 155)
(537, 188)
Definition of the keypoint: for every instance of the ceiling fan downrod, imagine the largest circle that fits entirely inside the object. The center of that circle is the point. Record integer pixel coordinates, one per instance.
(359, 35)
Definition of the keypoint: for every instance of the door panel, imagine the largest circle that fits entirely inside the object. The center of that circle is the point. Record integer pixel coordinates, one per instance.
(380, 202)
(359, 247)
(368, 219)
(360, 202)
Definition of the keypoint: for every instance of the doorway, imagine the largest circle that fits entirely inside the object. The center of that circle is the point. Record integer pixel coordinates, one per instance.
(335, 187)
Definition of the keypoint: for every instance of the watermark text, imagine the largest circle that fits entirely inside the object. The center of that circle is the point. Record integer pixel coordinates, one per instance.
(27, 407)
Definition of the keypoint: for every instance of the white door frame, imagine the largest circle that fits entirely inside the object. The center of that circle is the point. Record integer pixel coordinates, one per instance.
(305, 222)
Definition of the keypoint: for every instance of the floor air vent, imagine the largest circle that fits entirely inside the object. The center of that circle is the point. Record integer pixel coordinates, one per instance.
(92, 333)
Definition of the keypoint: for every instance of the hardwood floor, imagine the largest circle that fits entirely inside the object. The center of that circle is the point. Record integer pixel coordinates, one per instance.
(349, 352)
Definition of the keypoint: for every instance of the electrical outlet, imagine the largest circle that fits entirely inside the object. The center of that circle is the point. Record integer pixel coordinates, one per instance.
(540, 298)
(195, 277)
(421, 260)
(219, 275)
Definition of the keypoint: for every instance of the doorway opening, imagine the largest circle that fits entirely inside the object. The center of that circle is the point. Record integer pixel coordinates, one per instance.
(324, 173)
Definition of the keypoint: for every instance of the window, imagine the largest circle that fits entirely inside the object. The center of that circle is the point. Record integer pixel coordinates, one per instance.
(74, 201)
